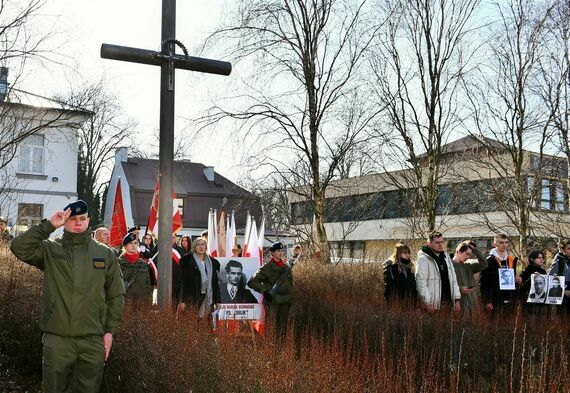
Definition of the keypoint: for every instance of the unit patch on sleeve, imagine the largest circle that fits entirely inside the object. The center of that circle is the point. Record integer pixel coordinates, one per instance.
(99, 263)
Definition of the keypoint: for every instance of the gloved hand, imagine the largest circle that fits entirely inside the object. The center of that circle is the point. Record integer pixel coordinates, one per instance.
(268, 296)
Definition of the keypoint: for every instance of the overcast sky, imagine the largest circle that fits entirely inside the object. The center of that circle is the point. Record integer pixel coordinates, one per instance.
(82, 25)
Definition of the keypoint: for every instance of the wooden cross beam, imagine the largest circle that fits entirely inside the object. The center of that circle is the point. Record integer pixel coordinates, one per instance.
(168, 61)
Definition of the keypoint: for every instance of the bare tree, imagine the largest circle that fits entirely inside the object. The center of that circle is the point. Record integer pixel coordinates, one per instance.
(419, 63)
(99, 137)
(553, 84)
(506, 108)
(308, 55)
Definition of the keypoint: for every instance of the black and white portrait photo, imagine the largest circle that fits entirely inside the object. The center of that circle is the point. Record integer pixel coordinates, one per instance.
(538, 284)
(234, 290)
(556, 287)
(506, 279)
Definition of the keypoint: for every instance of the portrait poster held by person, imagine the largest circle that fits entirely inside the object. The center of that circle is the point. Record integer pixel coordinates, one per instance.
(436, 281)
(465, 272)
(535, 267)
(277, 298)
(399, 277)
(561, 267)
(83, 299)
(491, 280)
(234, 291)
(139, 275)
(199, 280)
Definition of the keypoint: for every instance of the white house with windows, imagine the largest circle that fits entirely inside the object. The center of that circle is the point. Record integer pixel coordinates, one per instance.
(39, 175)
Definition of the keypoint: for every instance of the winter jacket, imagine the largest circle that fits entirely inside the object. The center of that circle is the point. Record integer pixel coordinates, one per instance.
(490, 288)
(465, 279)
(428, 280)
(399, 286)
(137, 278)
(267, 275)
(191, 280)
(83, 288)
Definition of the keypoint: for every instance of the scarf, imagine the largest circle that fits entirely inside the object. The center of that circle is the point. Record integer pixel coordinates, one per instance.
(404, 265)
(132, 258)
(206, 273)
(280, 263)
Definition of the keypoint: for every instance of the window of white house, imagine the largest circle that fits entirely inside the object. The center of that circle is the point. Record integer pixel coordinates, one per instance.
(32, 155)
(28, 215)
(560, 197)
(180, 203)
(545, 195)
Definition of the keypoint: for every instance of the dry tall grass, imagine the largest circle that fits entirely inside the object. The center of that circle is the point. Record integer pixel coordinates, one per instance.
(342, 338)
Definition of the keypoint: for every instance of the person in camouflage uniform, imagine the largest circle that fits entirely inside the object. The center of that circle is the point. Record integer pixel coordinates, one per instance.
(138, 276)
(279, 302)
(82, 299)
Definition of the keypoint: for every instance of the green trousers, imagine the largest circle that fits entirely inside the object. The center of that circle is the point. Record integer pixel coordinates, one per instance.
(72, 364)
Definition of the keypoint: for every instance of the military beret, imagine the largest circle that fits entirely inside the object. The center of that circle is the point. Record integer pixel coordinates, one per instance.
(276, 246)
(77, 208)
(135, 228)
(130, 237)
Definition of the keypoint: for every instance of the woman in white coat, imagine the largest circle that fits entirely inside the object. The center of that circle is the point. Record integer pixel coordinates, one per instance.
(436, 281)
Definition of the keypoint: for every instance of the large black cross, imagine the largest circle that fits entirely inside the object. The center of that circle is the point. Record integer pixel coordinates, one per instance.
(168, 61)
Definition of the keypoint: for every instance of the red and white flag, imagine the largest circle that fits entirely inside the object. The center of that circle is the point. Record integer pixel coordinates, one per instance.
(212, 234)
(246, 234)
(153, 215)
(176, 256)
(222, 234)
(118, 219)
(252, 249)
(230, 235)
(260, 238)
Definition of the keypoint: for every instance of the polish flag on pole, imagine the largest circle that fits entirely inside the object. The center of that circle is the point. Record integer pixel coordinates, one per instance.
(153, 215)
(260, 238)
(230, 235)
(222, 234)
(176, 256)
(212, 234)
(246, 234)
(252, 249)
(118, 219)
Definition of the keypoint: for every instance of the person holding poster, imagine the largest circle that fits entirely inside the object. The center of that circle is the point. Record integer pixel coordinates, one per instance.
(235, 291)
(275, 281)
(535, 266)
(561, 267)
(199, 275)
(498, 280)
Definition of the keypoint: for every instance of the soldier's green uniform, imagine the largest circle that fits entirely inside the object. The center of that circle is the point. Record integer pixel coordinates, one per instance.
(82, 300)
(137, 279)
(262, 281)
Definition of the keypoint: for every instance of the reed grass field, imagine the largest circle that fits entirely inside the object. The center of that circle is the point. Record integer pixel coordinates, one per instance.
(342, 337)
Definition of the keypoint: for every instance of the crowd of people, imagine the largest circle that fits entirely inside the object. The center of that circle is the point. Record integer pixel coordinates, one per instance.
(86, 284)
(440, 281)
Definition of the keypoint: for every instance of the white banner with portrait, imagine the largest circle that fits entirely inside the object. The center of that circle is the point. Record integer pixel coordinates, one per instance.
(237, 300)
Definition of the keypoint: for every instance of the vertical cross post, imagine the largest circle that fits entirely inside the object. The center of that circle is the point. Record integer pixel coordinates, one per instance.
(166, 156)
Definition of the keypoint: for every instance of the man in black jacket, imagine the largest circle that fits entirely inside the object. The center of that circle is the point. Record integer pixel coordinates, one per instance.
(493, 296)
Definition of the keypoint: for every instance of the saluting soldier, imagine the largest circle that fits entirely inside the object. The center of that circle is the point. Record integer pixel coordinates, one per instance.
(82, 298)
(277, 300)
(138, 274)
